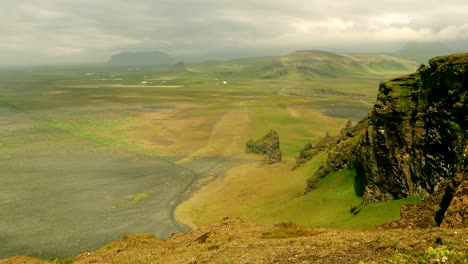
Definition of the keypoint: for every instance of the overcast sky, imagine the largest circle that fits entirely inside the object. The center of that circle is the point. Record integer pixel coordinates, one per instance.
(64, 31)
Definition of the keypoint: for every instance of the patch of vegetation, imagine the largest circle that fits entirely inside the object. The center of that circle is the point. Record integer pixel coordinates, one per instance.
(109, 247)
(405, 104)
(438, 254)
(404, 91)
(288, 230)
(137, 198)
(9, 106)
(334, 203)
(213, 247)
(68, 260)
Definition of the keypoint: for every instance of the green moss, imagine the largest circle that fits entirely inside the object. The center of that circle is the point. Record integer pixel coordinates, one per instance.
(406, 104)
(137, 198)
(404, 91)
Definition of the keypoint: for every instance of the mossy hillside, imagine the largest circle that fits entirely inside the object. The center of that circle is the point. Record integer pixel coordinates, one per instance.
(331, 202)
(275, 195)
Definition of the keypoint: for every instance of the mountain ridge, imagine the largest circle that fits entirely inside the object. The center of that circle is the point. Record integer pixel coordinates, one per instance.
(315, 64)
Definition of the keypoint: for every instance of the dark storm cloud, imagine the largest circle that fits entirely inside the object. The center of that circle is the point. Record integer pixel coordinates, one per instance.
(53, 31)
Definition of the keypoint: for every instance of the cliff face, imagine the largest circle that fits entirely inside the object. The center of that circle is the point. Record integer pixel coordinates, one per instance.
(415, 136)
(417, 131)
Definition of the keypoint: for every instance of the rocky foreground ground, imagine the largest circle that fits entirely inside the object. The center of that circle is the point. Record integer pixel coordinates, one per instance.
(237, 241)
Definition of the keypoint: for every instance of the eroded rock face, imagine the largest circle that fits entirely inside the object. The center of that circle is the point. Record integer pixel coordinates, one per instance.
(340, 151)
(309, 151)
(456, 215)
(428, 212)
(268, 145)
(414, 138)
(417, 131)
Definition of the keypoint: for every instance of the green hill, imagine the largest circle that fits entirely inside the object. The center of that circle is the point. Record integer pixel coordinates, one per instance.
(322, 64)
(303, 65)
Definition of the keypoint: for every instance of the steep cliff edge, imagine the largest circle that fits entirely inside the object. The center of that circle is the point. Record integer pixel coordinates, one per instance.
(414, 138)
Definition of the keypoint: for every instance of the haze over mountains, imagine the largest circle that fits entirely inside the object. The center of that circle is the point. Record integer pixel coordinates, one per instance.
(305, 64)
(141, 58)
(421, 52)
(310, 64)
(77, 32)
(417, 52)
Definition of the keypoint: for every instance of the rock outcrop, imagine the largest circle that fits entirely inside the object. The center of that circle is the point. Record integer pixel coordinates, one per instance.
(309, 151)
(268, 145)
(456, 215)
(414, 138)
(340, 151)
(428, 212)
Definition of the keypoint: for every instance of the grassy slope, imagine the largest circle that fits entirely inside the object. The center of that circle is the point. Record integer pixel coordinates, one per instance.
(273, 194)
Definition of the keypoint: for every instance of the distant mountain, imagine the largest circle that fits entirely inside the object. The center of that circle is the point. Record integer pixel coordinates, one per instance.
(141, 58)
(323, 64)
(421, 52)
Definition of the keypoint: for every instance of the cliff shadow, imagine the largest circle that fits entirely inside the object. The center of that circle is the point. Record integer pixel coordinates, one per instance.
(359, 181)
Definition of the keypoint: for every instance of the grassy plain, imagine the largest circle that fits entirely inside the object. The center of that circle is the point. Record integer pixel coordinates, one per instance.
(122, 148)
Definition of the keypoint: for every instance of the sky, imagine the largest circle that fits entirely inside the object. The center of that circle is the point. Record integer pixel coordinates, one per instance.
(90, 31)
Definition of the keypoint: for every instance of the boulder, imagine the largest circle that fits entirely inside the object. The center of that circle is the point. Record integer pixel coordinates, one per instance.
(268, 145)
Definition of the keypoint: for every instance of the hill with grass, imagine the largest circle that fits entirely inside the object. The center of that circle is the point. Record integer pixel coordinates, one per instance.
(141, 58)
(310, 65)
(323, 64)
(414, 142)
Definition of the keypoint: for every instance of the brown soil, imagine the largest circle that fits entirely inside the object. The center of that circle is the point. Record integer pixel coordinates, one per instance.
(237, 241)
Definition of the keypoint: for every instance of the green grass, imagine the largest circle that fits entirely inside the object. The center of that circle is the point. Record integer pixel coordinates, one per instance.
(68, 260)
(330, 203)
(137, 198)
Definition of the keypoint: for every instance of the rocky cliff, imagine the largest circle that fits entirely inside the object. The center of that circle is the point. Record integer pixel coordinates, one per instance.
(268, 145)
(414, 138)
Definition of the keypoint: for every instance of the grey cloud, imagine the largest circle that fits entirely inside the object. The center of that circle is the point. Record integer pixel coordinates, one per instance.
(65, 31)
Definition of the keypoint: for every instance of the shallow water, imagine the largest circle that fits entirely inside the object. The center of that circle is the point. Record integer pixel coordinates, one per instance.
(351, 112)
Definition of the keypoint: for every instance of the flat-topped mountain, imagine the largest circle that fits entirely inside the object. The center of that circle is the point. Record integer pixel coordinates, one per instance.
(141, 58)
